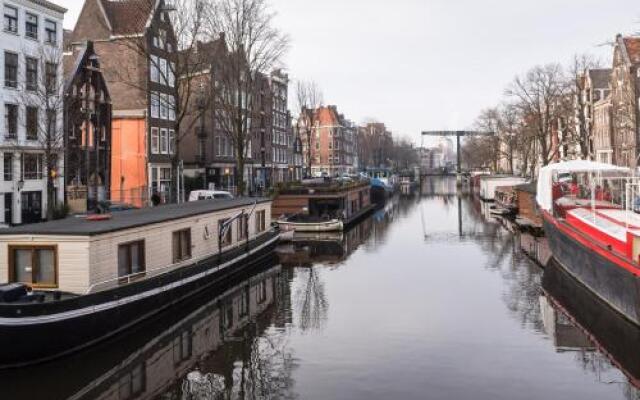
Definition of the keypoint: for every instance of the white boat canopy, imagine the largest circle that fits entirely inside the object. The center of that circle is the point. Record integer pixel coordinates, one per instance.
(544, 194)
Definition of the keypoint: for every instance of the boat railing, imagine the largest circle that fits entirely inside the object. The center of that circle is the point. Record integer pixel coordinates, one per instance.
(131, 278)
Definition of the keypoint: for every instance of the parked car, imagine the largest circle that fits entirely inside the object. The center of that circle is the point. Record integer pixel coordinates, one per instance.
(115, 207)
(197, 195)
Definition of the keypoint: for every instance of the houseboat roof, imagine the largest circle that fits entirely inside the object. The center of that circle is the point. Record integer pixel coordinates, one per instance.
(129, 219)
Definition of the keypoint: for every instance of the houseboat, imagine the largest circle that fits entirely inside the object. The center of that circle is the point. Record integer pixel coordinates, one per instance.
(80, 280)
(489, 183)
(593, 230)
(321, 207)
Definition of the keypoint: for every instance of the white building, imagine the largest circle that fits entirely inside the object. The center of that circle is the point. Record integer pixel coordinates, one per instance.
(31, 57)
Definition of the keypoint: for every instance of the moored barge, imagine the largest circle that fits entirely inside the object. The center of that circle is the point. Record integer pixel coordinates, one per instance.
(74, 282)
(593, 230)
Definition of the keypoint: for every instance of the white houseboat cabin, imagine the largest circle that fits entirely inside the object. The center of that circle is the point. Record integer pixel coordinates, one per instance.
(79, 256)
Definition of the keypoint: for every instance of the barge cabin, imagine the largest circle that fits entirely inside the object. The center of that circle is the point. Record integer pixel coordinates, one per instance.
(325, 206)
(81, 280)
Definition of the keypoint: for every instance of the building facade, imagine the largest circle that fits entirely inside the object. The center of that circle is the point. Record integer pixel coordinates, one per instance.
(596, 86)
(31, 98)
(603, 131)
(87, 132)
(137, 48)
(625, 84)
(332, 139)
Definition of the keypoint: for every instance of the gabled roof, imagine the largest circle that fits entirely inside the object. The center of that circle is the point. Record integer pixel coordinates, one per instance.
(633, 48)
(128, 17)
(80, 63)
(629, 46)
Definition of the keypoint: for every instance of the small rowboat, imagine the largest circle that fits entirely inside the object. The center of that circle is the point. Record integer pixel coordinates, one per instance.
(333, 225)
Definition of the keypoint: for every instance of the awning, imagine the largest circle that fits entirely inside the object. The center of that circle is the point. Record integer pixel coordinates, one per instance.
(545, 176)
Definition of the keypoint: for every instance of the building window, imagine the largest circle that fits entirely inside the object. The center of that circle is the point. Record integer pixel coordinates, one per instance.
(171, 105)
(155, 141)
(260, 221)
(227, 238)
(11, 121)
(31, 26)
(10, 69)
(32, 123)
(171, 67)
(261, 292)
(164, 109)
(164, 141)
(131, 259)
(182, 347)
(10, 19)
(8, 166)
(51, 77)
(162, 66)
(33, 265)
(51, 31)
(243, 224)
(32, 73)
(32, 166)
(155, 105)
(181, 245)
(172, 141)
(153, 66)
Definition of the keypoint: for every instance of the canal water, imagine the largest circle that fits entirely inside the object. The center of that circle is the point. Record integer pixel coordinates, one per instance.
(430, 298)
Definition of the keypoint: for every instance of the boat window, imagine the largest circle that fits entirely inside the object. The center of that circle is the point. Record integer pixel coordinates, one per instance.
(131, 260)
(33, 265)
(181, 245)
(260, 221)
(228, 238)
(243, 224)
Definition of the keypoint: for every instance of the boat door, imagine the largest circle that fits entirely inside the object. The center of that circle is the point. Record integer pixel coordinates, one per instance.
(31, 207)
(8, 208)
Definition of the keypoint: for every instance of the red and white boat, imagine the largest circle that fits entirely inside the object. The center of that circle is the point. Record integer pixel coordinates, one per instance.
(593, 229)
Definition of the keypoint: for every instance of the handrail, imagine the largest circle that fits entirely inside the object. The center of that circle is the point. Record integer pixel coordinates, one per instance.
(127, 279)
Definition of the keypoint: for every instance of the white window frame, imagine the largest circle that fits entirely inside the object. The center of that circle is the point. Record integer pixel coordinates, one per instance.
(155, 72)
(155, 105)
(164, 141)
(172, 141)
(155, 149)
(164, 108)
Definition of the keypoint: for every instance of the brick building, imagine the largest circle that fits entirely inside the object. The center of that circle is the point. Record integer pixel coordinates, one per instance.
(625, 85)
(332, 142)
(137, 48)
(375, 144)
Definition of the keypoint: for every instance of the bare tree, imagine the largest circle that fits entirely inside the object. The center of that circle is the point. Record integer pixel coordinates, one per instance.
(578, 75)
(309, 97)
(43, 101)
(254, 48)
(541, 96)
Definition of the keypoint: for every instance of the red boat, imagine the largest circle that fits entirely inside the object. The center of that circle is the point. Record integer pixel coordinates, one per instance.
(593, 230)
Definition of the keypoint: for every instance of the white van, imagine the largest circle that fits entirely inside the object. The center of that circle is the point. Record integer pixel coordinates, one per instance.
(198, 195)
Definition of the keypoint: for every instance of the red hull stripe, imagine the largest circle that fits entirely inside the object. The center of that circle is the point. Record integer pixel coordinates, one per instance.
(589, 243)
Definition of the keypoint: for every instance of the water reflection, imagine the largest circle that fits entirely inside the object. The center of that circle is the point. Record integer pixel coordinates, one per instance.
(226, 345)
(577, 320)
(427, 298)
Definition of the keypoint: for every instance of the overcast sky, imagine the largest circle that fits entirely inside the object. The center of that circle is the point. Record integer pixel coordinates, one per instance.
(433, 64)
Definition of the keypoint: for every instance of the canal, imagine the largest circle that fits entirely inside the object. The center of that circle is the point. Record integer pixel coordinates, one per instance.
(430, 298)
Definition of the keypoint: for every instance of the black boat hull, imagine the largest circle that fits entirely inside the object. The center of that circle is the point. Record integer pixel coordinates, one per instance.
(615, 285)
(34, 339)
